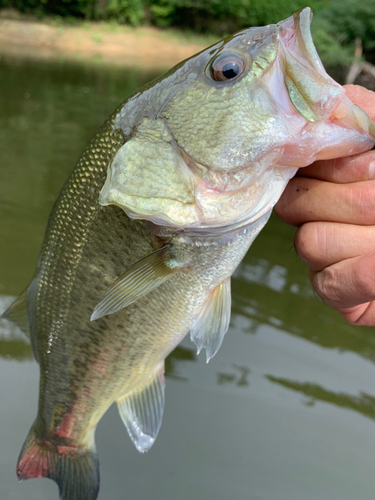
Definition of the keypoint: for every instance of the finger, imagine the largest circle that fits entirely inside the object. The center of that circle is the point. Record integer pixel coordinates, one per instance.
(306, 200)
(342, 170)
(348, 283)
(322, 244)
(362, 315)
(363, 98)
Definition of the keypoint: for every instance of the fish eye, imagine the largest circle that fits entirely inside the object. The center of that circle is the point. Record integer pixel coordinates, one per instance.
(226, 67)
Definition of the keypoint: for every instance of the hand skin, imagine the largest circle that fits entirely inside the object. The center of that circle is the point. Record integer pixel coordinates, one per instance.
(332, 203)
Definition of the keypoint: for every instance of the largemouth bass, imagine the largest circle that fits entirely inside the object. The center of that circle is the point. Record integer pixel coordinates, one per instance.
(142, 242)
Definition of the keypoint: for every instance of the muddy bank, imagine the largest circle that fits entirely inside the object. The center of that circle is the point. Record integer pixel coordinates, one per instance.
(97, 42)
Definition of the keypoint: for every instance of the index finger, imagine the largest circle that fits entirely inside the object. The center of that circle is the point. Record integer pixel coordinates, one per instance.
(349, 169)
(342, 170)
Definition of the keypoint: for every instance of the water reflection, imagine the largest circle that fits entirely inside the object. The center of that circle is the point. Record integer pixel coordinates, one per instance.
(364, 403)
(175, 358)
(13, 343)
(276, 291)
(48, 114)
(15, 348)
(240, 377)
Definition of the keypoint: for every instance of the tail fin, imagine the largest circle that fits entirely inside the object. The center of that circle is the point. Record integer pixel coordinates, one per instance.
(76, 473)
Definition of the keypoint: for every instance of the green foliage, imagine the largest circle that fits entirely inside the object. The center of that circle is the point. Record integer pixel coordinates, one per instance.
(352, 18)
(331, 51)
(126, 11)
(216, 16)
(272, 11)
(223, 16)
(22, 5)
(64, 8)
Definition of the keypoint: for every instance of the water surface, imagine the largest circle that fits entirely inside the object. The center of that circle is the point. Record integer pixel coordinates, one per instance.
(285, 410)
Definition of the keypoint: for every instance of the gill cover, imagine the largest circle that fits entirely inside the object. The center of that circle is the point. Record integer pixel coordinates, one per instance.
(149, 178)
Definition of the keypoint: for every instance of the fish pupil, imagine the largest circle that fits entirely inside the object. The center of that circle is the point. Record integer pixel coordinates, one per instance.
(226, 67)
(230, 70)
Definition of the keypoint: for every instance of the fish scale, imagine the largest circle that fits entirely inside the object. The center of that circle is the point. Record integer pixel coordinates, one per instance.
(85, 284)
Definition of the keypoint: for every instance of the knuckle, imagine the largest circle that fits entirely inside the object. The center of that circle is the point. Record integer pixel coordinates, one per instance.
(307, 242)
(282, 208)
(362, 197)
(346, 284)
(356, 322)
(364, 277)
(365, 286)
(361, 315)
(326, 285)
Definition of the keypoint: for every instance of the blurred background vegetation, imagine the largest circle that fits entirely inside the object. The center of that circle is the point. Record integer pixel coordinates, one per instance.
(339, 27)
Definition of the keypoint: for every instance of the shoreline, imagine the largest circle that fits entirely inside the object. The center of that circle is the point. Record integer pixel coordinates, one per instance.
(97, 42)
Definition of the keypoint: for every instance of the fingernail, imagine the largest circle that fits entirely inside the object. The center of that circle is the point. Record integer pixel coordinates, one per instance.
(371, 170)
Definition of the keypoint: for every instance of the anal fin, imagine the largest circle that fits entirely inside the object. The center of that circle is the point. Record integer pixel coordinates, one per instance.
(211, 323)
(17, 313)
(142, 411)
(143, 277)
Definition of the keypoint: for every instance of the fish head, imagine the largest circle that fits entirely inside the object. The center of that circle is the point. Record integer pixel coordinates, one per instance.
(264, 93)
(238, 119)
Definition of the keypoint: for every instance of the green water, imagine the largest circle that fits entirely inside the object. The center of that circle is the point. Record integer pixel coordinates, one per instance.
(285, 410)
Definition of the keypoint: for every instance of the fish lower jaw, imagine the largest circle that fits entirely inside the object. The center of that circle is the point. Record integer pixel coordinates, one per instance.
(346, 133)
(233, 211)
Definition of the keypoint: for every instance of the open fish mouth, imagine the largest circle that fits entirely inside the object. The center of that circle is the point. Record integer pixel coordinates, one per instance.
(312, 91)
(314, 94)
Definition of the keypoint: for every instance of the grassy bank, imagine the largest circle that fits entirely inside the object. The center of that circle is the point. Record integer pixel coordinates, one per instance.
(99, 42)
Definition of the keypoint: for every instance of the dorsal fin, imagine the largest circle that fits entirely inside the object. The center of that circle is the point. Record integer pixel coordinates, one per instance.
(142, 411)
(144, 276)
(212, 322)
(17, 313)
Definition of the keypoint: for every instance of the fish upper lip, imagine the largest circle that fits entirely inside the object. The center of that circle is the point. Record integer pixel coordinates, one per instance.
(297, 27)
(286, 35)
(313, 93)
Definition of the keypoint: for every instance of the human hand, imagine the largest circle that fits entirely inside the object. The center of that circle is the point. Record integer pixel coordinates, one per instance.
(333, 204)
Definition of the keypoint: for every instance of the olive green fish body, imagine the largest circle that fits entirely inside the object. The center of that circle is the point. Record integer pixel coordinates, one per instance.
(87, 246)
(106, 359)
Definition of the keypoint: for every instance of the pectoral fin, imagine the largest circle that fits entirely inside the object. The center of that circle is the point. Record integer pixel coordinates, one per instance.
(212, 322)
(17, 313)
(142, 411)
(144, 276)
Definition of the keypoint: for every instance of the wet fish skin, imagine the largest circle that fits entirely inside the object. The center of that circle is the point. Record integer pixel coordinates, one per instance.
(85, 366)
(173, 171)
